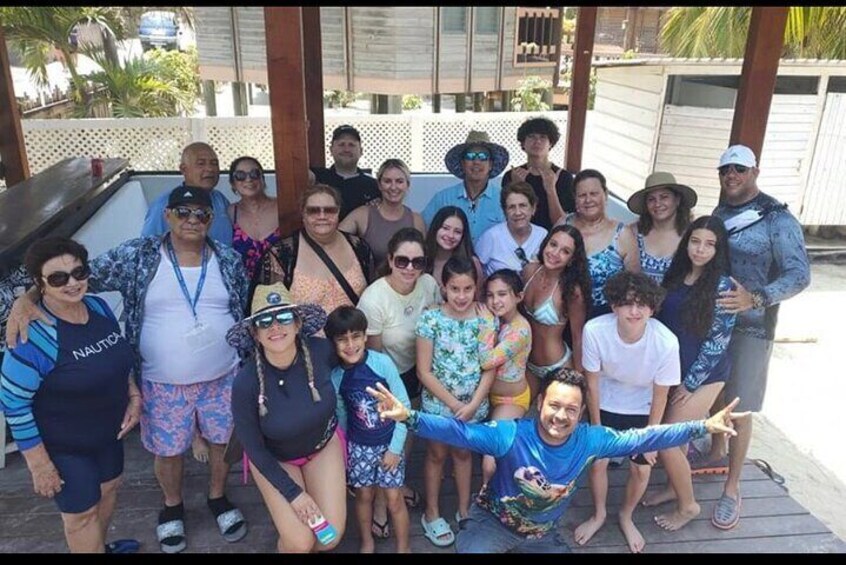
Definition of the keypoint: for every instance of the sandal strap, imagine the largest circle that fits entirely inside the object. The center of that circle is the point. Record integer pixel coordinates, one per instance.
(726, 508)
(173, 528)
(226, 520)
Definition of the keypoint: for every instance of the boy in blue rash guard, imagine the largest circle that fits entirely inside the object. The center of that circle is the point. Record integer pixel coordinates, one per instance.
(374, 446)
(538, 461)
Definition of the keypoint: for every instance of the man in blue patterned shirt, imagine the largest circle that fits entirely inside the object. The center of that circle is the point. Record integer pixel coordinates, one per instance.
(181, 291)
(769, 264)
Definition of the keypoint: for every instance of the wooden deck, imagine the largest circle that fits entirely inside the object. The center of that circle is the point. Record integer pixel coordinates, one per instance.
(771, 520)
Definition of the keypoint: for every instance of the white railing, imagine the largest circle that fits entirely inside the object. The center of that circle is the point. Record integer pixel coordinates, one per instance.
(154, 144)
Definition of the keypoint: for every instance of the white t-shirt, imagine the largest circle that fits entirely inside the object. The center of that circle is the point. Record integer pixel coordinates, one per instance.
(394, 316)
(628, 371)
(166, 354)
(496, 248)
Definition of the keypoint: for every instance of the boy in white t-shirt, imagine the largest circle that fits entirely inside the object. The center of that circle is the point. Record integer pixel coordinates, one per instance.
(631, 360)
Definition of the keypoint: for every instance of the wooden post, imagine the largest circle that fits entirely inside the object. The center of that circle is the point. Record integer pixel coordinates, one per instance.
(12, 146)
(758, 77)
(286, 81)
(314, 85)
(580, 86)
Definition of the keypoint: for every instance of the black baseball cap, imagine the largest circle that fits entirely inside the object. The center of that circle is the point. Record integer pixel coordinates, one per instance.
(182, 195)
(346, 130)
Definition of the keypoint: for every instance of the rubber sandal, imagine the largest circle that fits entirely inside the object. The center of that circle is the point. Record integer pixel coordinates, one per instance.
(437, 531)
(171, 536)
(704, 467)
(414, 500)
(458, 518)
(123, 546)
(381, 531)
(232, 525)
(765, 467)
(726, 512)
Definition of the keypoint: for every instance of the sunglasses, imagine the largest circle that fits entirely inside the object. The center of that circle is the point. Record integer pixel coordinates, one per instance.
(325, 210)
(59, 279)
(739, 169)
(476, 156)
(255, 174)
(183, 213)
(522, 256)
(284, 317)
(417, 263)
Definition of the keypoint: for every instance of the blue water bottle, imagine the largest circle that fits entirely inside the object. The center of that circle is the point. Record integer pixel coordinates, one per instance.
(323, 530)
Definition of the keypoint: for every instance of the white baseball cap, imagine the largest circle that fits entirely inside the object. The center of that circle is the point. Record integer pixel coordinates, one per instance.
(738, 155)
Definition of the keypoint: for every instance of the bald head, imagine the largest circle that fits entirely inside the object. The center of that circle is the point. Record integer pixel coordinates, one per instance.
(199, 165)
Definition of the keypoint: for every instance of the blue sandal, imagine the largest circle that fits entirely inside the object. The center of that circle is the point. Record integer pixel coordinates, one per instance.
(726, 512)
(123, 546)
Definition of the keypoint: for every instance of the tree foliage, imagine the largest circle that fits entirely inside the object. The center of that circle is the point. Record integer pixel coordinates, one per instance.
(815, 32)
(529, 94)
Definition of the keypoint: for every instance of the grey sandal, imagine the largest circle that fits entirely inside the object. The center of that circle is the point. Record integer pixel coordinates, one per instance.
(726, 512)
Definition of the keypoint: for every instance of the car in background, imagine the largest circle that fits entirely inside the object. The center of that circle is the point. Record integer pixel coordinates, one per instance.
(159, 29)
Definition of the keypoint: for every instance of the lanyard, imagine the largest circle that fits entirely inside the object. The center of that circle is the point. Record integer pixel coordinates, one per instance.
(175, 263)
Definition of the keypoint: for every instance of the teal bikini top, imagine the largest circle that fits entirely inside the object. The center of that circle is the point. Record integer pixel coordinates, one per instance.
(546, 314)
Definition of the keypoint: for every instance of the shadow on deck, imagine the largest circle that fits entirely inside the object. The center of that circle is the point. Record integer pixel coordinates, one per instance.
(771, 521)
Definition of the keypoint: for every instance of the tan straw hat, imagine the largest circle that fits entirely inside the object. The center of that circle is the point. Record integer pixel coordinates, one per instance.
(658, 179)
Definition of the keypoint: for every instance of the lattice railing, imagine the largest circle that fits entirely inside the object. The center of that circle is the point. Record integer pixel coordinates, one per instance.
(154, 144)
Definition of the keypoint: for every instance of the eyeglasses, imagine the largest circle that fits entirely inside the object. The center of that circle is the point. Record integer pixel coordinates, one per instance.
(283, 317)
(476, 156)
(417, 263)
(739, 169)
(325, 210)
(254, 174)
(59, 279)
(183, 213)
(522, 256)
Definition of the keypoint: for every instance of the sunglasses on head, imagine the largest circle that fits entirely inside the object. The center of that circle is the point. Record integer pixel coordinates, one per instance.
(476, 156)
(61, 278)
(283, 317)
(739, 169)
(254, 174)
(183, 213)
(325, 210)
(417, 263)
(521, 255)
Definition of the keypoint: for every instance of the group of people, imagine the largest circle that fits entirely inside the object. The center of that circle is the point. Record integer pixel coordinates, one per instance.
(315, 354)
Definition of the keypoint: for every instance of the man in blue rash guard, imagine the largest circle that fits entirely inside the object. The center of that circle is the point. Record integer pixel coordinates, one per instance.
(538, 461)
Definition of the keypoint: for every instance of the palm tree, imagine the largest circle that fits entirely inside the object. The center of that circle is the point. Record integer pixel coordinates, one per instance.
(720, 31)
(36, 31)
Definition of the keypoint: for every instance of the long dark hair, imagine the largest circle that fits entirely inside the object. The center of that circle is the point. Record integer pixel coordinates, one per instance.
(698, 308)
(682, 220)
(575, 274)
(464, 249)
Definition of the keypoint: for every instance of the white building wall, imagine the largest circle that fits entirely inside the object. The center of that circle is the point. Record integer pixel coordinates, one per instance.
(825, 197)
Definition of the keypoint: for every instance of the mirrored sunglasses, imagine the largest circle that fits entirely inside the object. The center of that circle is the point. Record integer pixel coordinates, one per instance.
(61, 278)
(417, 263)
(254, 174)
(476, 156)
(739, 169)
(283, 317)
(183, 213)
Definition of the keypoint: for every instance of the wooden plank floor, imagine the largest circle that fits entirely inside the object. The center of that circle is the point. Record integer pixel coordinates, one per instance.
(771, 520)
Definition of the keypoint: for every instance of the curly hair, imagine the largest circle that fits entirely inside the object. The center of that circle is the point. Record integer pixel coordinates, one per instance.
(567, 376)
(543, 126)
(697, 310)
(575, 274)
(627, 288)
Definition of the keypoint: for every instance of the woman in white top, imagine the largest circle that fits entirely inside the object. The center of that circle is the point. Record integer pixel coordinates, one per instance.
(392, 305)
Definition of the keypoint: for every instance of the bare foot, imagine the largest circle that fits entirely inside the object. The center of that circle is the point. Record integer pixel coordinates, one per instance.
(658, 498)
(586, 529)
(676, 520)
(200, 449)
(632, 535)
(367, 546)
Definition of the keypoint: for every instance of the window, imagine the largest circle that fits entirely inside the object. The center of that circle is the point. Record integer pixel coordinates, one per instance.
(454, 19)
(487, 19)
(720, 91)
(538, 37)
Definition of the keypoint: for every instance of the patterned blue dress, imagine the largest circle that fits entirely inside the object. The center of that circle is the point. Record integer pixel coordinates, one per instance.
(655, 267)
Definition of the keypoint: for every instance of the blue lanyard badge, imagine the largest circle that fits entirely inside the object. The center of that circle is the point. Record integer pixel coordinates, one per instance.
(175, 263)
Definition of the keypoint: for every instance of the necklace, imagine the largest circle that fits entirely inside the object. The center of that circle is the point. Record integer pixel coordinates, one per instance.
(291, 364)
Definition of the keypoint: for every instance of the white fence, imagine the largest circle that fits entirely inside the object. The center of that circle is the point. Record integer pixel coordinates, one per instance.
(154, 144)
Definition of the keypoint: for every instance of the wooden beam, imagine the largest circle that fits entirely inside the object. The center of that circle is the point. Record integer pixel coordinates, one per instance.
(283, 28)
(580, 86)
(758, 77)
(314, 85)
(12, 145)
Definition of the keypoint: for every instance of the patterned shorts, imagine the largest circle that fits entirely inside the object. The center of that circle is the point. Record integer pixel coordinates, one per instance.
(364, 467)
(170, 414)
